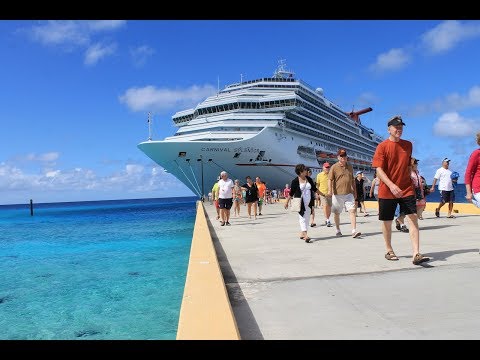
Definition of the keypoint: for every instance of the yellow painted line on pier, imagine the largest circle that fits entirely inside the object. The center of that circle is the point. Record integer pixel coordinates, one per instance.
(206, 313)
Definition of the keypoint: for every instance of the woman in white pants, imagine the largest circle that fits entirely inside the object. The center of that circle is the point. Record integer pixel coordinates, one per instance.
(303, 187)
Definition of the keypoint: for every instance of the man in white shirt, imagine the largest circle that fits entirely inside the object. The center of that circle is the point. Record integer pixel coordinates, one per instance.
(225, 197)
(445, 186)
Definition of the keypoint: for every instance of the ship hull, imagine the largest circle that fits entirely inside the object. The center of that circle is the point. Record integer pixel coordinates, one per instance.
(271, 154)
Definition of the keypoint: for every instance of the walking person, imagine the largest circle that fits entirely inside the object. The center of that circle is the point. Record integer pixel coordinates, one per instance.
(360, 198)
(251, 197)
(314, 195)
(261, 193)
(237, 197)
(341, 187)
(445, 186)
(392, 160)
(303, 187)
(215, 197)
(286, 191)
(472, 176)
(374, 187)
(325, 199)
(225, 197)
(419, 187)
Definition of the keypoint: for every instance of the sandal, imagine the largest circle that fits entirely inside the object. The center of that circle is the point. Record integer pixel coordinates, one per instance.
(451, 217)
(391, 256)
(397, 224)
(307, 240)
(419, 258)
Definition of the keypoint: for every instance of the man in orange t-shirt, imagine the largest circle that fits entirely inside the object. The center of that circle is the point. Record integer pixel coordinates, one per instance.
(392, 160)
(261, 193)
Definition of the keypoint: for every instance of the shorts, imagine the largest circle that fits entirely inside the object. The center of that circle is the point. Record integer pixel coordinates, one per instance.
(225, 203)
(341, 201)
(447, 196)
(325, 200)
(386, 207)
(476, 199)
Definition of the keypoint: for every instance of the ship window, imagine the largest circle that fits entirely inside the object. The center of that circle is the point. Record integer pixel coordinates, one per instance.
(182, 154)
(236, 155)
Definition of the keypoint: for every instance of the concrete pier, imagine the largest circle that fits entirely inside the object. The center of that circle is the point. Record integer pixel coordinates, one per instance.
(343, 288)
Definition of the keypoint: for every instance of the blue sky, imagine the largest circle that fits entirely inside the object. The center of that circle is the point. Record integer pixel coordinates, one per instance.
(76, 94)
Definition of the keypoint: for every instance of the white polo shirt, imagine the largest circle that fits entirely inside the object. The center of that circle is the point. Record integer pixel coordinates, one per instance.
(444, 179)
(225, 189)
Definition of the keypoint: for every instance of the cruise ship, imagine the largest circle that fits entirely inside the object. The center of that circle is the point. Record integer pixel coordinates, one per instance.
(262, 127)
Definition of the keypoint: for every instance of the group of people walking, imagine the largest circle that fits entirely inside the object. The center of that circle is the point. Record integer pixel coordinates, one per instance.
(227, 193)
(397, 185)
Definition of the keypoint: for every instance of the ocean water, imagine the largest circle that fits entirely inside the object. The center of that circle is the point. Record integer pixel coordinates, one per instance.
(94, 270)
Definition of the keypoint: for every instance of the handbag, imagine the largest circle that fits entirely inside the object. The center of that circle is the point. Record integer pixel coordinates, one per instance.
(296, 203)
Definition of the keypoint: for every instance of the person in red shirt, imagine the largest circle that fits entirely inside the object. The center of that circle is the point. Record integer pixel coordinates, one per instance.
(286, 191)
(472, 176)
(392, 159)
(261, 193)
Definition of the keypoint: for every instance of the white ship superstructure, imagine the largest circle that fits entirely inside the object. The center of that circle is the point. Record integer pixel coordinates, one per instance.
(262, 128)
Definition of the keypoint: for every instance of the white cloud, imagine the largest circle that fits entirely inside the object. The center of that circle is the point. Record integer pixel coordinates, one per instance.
(49, 157)
(394, 59)
(132, 179)
(140, 54)
(448, 34)
(98, 51)
(443, 37)
(102, 25)
(71, 33)
(149, 98)
(133, 169)
(450, 102)
(52, 173)
(451, 124)
(60, 32)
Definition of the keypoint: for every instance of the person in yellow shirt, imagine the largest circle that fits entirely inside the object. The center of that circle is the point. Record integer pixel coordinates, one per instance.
(261, 193)
(325, 199)
(215, 192)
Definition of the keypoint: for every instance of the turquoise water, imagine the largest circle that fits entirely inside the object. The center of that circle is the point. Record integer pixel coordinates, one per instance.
(94, 270)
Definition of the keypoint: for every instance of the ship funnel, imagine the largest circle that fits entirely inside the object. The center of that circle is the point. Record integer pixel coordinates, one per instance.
(355, 115)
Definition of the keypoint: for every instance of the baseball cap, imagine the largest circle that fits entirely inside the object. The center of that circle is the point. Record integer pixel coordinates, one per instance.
(358, 172)
(396, 120)
(326, 165)
(342, 152)
(446, 159)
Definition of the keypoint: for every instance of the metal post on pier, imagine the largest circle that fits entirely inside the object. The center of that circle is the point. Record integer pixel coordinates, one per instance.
(31, 207)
